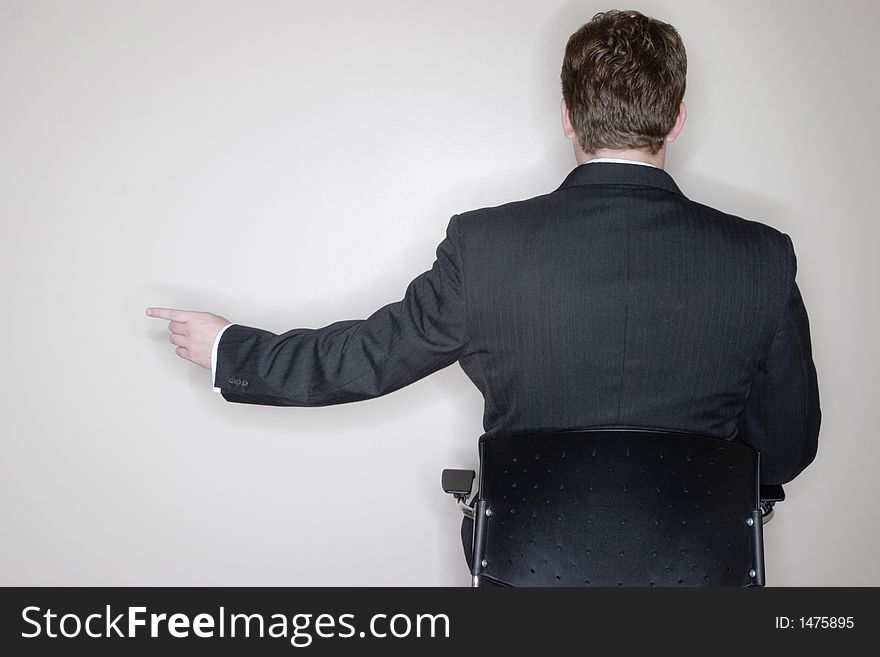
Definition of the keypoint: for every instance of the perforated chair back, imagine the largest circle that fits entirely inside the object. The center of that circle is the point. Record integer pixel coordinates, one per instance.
(617, 507)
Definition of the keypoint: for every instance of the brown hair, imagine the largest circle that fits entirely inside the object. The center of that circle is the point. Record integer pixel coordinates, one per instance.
(623, 79)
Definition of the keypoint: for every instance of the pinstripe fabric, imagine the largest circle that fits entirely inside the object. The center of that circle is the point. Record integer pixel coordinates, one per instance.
(611, 301)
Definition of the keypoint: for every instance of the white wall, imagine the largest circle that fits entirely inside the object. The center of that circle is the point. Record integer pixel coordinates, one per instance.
(292, 164)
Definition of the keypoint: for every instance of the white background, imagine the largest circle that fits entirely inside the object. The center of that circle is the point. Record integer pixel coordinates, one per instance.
(290, 164)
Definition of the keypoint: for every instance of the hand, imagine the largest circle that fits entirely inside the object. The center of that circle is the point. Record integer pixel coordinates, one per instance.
(193, 332)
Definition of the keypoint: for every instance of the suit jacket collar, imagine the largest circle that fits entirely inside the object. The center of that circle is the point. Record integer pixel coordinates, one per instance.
(613, 173)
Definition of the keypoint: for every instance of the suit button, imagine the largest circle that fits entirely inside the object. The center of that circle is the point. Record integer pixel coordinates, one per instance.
(238, 382)
(244, 382)
(231, 380)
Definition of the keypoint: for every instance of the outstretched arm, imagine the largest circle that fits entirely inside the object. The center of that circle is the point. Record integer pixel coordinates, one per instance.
(348, 360)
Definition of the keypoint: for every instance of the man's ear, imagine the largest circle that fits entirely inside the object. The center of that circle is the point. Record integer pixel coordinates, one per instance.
(679, 122)
(567, 128)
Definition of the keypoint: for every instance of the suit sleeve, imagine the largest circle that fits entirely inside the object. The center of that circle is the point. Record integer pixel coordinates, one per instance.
(352, 360)
(781, 416)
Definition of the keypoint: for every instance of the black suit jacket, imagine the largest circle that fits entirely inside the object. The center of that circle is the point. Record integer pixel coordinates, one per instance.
(612, 301)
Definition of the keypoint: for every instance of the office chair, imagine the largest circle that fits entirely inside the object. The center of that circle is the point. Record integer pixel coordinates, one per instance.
(615, 507)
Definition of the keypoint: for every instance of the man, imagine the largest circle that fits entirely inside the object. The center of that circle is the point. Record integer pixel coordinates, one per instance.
(612, 301)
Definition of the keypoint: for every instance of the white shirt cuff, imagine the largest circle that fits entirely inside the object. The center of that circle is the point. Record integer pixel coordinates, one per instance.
(214, 357)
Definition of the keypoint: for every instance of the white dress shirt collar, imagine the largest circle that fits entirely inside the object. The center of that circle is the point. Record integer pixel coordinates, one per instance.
(618, 160)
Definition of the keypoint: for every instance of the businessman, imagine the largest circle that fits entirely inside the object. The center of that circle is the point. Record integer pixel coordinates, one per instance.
(613, 300)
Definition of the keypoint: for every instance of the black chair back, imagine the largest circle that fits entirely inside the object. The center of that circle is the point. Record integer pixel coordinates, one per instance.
(618, 507)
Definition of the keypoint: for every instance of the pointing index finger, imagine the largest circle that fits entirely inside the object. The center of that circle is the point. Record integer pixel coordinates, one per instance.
(170, 313)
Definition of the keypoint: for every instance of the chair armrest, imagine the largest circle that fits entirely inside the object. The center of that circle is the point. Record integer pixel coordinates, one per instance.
(458, 483)
(772, 493)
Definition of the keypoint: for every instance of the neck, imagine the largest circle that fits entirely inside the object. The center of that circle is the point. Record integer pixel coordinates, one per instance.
(658, 159)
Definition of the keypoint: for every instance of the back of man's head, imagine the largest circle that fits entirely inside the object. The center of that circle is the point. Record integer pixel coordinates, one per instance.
(623, 79)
